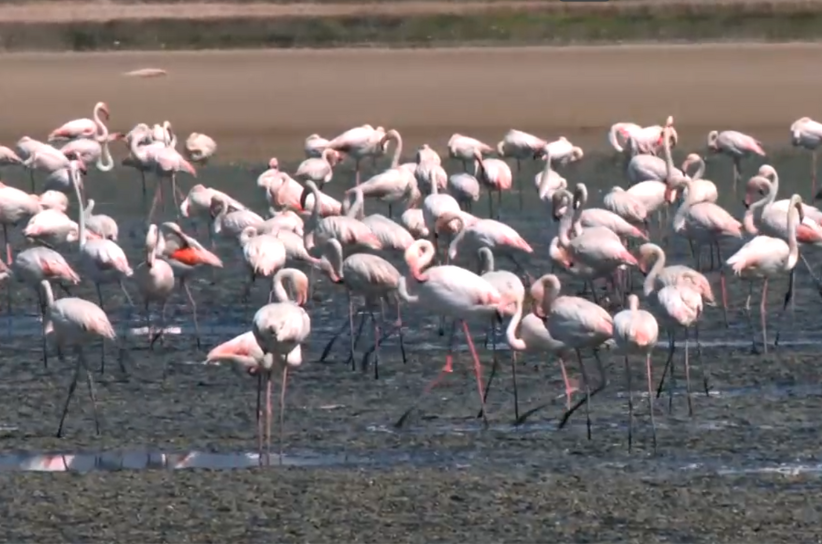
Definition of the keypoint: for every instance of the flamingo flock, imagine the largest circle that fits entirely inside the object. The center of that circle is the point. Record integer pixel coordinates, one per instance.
(435, 254)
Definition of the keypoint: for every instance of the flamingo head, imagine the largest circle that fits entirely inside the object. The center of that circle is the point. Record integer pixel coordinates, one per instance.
(103, 107)
(274, 163)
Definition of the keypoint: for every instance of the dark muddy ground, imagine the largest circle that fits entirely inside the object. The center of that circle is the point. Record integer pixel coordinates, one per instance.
(742, 469)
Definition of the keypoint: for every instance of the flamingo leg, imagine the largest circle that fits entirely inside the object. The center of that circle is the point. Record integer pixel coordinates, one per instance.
(102, 344)
(702, 363)
(750, 317)
(330, 344)
(494, 368)
(650, 395)
(587, 385)
(514, 382)
(72, 387)
(351, 328)
(8, 245)
(477, 369)
(377, 341)
(737, 171)
(282, 409)
(569, 391)
(268, 418)
(788, 298)
(357, 171)
(668, 363)
(688, 377)
(91, 393)
(630, 405)
(672, 382)
(193, 312)
(446, 369)
(158, 195)
(763, 316)
(42, 308)
(259, 412)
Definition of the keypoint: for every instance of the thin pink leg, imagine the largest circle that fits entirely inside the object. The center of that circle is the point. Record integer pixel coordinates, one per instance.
(569, 389)
(282, 409)
(260, 416)
(268, 418)
(477, 366)
(8, 245)
(763, 308)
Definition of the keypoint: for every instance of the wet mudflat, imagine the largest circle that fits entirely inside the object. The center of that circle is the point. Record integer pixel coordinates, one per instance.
(741, 469)
(745, 468)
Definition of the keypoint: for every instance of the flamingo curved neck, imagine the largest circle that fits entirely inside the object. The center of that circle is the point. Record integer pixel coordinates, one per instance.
(402, 290)
(48, 294)
(511, 331)
(280, 292)
(487, 260)
(650, 279)
(395, 161)
(793, 247)
(74, 173)
(544, 182)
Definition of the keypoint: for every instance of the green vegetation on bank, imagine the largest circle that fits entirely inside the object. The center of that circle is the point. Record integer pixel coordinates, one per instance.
(600, 23)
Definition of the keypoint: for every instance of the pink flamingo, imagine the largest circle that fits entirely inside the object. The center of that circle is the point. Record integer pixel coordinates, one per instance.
(93, 150)
(647, 140)
(199, 148)
(578, 324)
(54, 200)
(465, 149)
(636, 332)
(185, 255)
(315, 145)
(426, 154)
(264, 255)
(520, 145)
(735, 144)
(392, 236)
(495, 175)
(230, 222)
(767, 257)
(280, 328)
(393, 184)
(319, 170)
(677, 305)
(82, 128)
(102, 225)
(807, 134)
(155, 281)
(16, 206)
(465, 189)
(453, 292)
(486, 233)
(52, 228)
(75, 322)
(244, 350)
(349, 231)
(34, 265)
(599, 217)
(359, 143)
(371, 277)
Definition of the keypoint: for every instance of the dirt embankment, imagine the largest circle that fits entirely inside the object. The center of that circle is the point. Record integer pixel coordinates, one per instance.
(83, 26)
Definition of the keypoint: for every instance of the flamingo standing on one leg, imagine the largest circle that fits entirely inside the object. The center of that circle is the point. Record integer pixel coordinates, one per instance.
(807, 134)
(636, 331)
(454, 292)
(155, 279)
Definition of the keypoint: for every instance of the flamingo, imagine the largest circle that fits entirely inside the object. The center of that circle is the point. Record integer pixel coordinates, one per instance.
(426, 154)
(185, 255)
(626, 205)
(495, 175)
(510, 287)
(392, 236)
(231, 224)
(155, 280)
(562, 151)
(735, 144)
(636, 332)
(264, 255)
(319, 170)
(698, 221)
(280, 328)
(465, 149)
(51, 227)
(599, 217)
(102, 225)
(807, 134)
(245, 351)
(453, 292)
(199, 148)
(548, 181)
(9, 157)
(768, 257)
(54, 200)
(371, 277)
(359, 143)
(428, 173)
(578, 324)
(393, 184)
(315, 145)
(413, 219)
(289, 192)
(349, 231)
(520, 145)
(75, 322)
(82, 128)
(32, 266)
(486, 233)
(93, 150)
(677, 305)
(465, 189)
(287, 220)
(645, 139)
(16, 206)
